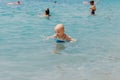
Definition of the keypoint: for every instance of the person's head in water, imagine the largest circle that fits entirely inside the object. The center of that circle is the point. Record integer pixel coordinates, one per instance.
(59, 30)
(92, 2)
(47, 12)
(18, 2)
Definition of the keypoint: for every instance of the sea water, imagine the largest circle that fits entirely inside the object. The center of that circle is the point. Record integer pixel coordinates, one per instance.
(27, 54)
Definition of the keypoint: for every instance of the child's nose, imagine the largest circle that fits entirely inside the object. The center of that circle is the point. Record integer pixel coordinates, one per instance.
(57, 34)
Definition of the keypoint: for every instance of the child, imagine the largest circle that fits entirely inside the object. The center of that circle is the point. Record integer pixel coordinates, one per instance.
(92, 8)
(60, 36)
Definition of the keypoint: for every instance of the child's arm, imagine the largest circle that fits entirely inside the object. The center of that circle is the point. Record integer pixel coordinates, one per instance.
(70, 39)
(53, 36)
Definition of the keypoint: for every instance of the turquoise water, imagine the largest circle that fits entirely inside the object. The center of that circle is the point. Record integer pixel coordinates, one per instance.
(26, 54)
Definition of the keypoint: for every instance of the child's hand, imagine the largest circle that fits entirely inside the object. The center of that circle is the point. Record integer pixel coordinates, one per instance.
(73, 40)
(50, 37)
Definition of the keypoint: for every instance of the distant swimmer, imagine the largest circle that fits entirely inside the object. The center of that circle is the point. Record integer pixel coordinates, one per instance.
(47, 12)
(92, 8)
(14, 3)
(88, 2)
(60, 36)
(55, 1)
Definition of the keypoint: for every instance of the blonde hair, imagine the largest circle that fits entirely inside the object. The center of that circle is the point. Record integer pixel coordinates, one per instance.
(59, 26)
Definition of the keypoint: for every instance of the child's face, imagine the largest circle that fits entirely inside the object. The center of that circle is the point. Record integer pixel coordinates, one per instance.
(59, 32)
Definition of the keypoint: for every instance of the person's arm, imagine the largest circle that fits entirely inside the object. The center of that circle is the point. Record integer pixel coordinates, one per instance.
(73, 40)
(70, 39)
(93, 8)
(53, 36)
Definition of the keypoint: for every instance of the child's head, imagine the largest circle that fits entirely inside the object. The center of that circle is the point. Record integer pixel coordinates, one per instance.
(92, 2)
(59, 29)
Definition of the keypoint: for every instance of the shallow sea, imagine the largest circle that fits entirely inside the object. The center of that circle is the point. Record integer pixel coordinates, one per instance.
(27, 54)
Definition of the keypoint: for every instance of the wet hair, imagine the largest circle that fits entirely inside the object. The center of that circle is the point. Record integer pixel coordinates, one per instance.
(47, 11)
(92, 2)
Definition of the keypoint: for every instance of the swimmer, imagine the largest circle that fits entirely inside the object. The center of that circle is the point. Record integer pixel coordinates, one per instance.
(92, 8)
(14, 3)
(55, 1)
(60, 36)
(47, 12)
(88, 2)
